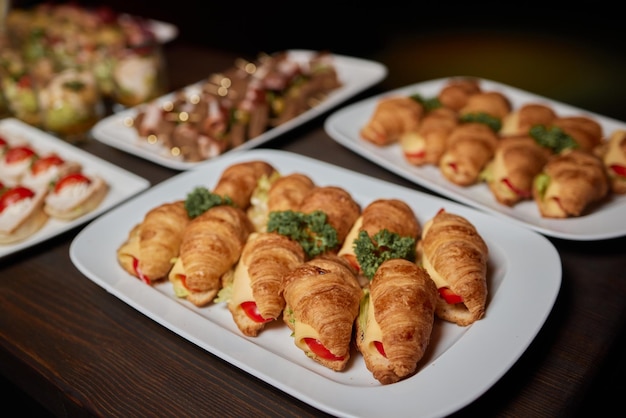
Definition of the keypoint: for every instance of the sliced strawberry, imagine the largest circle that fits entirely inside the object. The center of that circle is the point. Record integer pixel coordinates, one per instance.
(71, 179)
(14, 195)
(19, 153)
(42, 164)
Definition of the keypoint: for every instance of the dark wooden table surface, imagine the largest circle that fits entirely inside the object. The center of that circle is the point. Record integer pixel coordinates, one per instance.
(76, 350)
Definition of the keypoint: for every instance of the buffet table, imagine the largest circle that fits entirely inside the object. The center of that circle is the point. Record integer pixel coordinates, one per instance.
(79, 351)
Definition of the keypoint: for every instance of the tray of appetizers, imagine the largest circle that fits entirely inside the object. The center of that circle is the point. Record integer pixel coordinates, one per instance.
(511, 169)
(464, 360)
(48, 186)
(246, 106)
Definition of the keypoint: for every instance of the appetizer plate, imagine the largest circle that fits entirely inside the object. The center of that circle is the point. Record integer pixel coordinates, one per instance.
(356, 75)
(460, 364)
(603, 222)
(122, 184)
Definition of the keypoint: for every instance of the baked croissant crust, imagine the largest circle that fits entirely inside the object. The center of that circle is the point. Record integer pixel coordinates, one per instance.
(427, 144)
(322, 302)
(493, 103)
(471, 146)
(516, 162)
(211, 246)
(154, 243)
(455, 256)
(569, 183)
(520, 121)
(265, 259)
(288, 191)
(399, 312)
(392, 117)
(394, 215)
(239, 180)
(587, 132)
(340, 207)
(455, 94)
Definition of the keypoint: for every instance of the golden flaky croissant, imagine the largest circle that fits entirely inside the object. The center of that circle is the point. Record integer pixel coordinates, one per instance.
(569, 184)
(238, 181)
(516, 162)
(257, 297)
(338, 204)
(153, 244)
(211, 246)
(519, 122)
(492, 103)
(427, 144)
(396, 320)
(394, 215)
(391, 118)
(322, 302)
(288, 191)
(470, 147)
(586, 131)
(455, 256)
(455, 94)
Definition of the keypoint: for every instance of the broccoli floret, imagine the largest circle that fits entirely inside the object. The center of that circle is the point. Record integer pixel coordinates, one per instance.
(310, 230)
(200, 199)
(384, 245)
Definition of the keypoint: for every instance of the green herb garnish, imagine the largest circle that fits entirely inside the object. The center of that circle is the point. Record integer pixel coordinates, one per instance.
(493, 123)
(371, 252)
(311, 230)
(200, 199)
(553, 138)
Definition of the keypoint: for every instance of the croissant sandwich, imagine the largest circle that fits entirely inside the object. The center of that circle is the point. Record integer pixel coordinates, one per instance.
(455, 94)
(427, 144)
(392, 215)
(396, 320)
(516, 162)
(520, 121)
(455, 256)
(392, 117)
(321, 304)
(256, 296)
(153, 245)
(210, 247)
(585, 131)
(569, 184)
(239, 181)
(471, 146)
(340, 207)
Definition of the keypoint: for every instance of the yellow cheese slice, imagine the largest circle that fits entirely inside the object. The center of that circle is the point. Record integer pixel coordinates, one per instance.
(372, 331)
(242, 292)
(302, 331)
(347, 248)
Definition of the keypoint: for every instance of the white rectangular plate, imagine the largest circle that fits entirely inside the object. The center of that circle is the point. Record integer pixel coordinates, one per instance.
(122, 183)
(604, 222)
(356, 75)
(461, 362)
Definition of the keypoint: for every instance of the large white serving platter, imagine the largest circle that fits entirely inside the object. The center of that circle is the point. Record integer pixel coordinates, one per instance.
(603, 222)
(355, 74)
(461, 363)
(123, 184)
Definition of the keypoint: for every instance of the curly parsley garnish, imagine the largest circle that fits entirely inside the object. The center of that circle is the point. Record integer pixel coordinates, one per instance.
(310, 230)
(371, 252)
(200, 199)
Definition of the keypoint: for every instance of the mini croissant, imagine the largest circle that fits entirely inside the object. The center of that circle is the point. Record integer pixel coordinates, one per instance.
(322, 301)
(396, 320)
(211, 245)
(238, 181)
(152, 245)
(392, 117)
(265, 259)
(455, 256)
